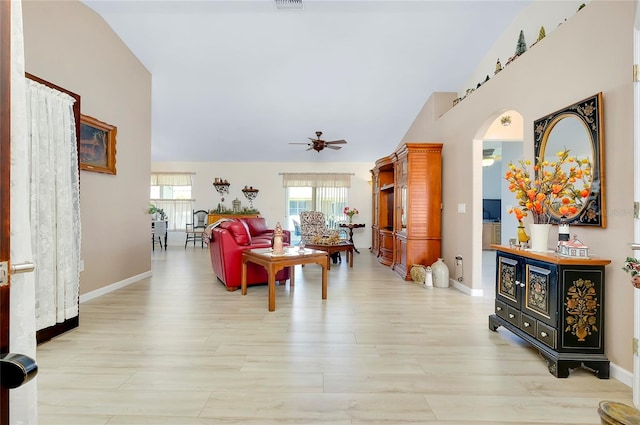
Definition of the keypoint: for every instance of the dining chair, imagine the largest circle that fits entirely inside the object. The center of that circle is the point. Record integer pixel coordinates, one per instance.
(158, 230)
(196, 228)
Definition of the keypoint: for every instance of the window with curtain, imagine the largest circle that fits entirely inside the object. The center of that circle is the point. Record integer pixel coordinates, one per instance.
(326, 192)
(172, 193)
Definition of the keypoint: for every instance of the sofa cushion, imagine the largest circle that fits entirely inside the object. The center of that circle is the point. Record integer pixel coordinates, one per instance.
(256, 225)
(238, 230)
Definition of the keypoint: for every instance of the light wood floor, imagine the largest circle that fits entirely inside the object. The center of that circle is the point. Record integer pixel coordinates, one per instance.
(179, 349)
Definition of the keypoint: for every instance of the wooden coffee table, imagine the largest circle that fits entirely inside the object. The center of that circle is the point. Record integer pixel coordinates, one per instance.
(274, 263)
(331, 249)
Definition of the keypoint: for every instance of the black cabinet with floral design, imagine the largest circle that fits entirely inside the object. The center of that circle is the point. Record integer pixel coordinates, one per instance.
(554, 303)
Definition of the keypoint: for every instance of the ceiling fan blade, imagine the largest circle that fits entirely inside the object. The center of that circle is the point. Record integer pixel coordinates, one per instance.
(309, 148)
(305, 143)
(333, 147)
(337, 142)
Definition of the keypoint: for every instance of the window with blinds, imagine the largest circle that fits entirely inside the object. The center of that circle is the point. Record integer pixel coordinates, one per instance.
(172, 193)
(326, 192)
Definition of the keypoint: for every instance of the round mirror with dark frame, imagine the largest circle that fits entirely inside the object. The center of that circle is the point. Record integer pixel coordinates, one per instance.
(577, 128)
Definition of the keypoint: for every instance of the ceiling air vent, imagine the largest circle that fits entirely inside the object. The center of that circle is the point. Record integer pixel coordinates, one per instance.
(288, 4)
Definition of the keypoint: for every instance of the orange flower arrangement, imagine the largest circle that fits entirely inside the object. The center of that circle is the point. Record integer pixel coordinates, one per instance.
(553, 187)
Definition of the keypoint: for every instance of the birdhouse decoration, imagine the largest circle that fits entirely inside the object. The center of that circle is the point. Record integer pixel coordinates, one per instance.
(236, 206)
(574, 248)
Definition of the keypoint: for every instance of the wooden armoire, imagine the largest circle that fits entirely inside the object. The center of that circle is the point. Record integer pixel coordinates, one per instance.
(407, 207)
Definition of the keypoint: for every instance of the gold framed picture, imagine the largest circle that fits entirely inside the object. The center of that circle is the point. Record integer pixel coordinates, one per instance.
(97, 145)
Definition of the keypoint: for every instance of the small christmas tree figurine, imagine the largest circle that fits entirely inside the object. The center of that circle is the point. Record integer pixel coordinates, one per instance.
(521, 47)
(498, 67)
(542, 34)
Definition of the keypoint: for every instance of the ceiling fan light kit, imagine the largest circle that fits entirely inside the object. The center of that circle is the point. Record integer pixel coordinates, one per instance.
(288, 4)
(487, 157)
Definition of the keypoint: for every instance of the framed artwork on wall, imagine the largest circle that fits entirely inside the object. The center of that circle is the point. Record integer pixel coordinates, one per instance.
(97, 145)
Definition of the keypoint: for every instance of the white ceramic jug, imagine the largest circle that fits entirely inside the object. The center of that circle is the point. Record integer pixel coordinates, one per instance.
(440, 274)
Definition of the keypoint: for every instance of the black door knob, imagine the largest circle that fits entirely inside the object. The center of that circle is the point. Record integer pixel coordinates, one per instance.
(16, 369)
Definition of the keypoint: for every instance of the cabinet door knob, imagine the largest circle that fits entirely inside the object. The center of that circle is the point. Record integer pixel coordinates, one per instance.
(511, 316)
(498, 308)
(543, 334)
(526, 324)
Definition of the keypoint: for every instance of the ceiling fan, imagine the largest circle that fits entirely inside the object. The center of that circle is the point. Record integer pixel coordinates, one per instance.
(489, 156)
(317, 144)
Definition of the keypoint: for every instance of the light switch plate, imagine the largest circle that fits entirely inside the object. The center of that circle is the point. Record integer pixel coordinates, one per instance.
(462, 208)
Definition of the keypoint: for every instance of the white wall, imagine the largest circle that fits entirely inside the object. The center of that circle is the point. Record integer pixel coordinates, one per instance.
(491, 180)
(550, 14)
(68, 44)
(511, 152)
(590, 53)
(266, 177)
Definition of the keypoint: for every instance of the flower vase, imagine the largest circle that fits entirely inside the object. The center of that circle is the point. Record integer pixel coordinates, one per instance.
(539, 237)
(440, 273)
(350, 219)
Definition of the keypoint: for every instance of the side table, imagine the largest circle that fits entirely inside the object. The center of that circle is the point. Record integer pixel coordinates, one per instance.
(331, 249)
(352, 226)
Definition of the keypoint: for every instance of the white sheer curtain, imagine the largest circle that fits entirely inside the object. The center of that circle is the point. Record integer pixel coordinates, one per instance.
(316, 179)
(329, 192)
(55, 203)
(179, 212)
(23, 400)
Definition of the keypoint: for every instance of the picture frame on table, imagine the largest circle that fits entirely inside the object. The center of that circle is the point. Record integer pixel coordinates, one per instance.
(97, 145)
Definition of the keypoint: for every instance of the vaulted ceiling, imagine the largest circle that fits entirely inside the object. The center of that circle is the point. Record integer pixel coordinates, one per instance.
(241, 80)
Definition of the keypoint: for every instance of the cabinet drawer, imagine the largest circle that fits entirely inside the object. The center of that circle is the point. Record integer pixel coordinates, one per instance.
(501, 309)
(528, 325)
(546, 334)
(513, 316)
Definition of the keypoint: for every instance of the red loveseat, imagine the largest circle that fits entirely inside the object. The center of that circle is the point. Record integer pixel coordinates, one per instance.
(229, 238)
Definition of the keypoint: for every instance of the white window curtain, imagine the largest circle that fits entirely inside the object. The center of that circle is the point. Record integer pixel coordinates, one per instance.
(55, 203)
(171, 179)
(179, 212)
(22, 333)
(331, 201)
(329, 194)
(316, 179)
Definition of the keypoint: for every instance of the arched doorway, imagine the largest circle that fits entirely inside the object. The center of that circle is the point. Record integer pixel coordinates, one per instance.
(501, 143)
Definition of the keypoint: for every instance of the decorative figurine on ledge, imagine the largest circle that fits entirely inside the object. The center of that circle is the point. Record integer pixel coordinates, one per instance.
(523, 238)
(574, 248)
(221, 186)
(250, 193)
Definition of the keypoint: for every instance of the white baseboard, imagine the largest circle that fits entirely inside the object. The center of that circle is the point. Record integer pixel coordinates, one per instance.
(620, 374)
(114, 286)
(465, 289)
